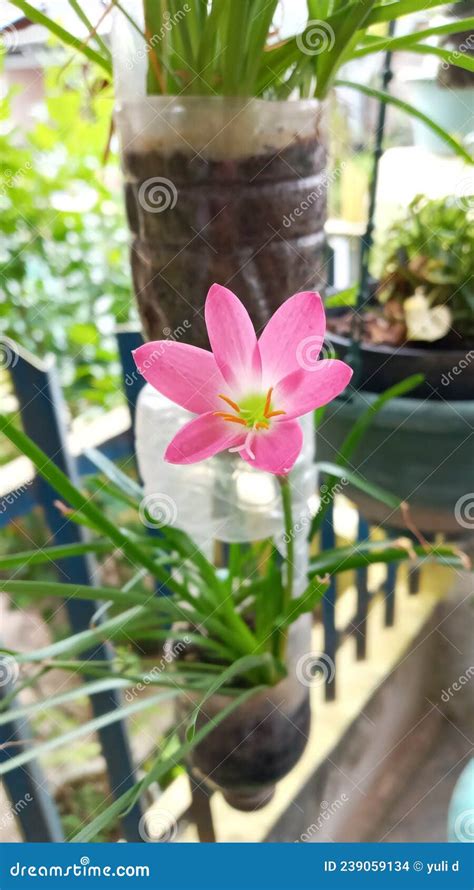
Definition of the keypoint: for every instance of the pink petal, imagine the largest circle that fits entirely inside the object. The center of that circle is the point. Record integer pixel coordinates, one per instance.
(202, 437)
(276, 450)
(232, 338)
(185, 374)
(303, 391)
(293, 337)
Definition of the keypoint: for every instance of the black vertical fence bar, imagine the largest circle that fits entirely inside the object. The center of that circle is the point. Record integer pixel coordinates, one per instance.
(328, 541)
(200, 812)
(31, 803)
(414, 580)
(128, 339)
(389, 589)
(360, 629)
(43, 415)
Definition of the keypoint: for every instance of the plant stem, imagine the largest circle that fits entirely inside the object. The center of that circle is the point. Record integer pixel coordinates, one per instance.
(290, 552)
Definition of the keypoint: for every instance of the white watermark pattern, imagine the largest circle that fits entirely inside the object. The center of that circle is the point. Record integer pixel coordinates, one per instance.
(158, 826)
(464, 827)
(310, 352)
(462, 680)
(318, 37)
(315, 668)
(464, 510)
(170, 652)
(157, 194)
(326, 810)
(9, 670)
(8, 40)
(157, 509)
(8, 355)
(312, 196)
(167, 23)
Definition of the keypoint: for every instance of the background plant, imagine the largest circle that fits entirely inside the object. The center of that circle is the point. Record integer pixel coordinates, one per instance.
(232, 47)
(64, 275)
(431, 247)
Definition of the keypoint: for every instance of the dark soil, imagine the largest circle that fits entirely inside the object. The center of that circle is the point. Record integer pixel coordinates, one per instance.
(255, 225)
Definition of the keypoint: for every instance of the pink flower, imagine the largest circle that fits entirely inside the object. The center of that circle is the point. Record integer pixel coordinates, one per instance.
(247, 394)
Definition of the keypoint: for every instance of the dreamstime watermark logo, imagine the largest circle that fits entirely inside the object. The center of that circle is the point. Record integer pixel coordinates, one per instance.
(464, 194)
(326, 496)
(170, 652)
(318, 37)
(167, 23)
(157, 509)
(464, 827)
(82, 869)
(8, 40)
(9, 499)
(314, 669)
(456, 370)
(8, 355)
(462, 680)
(158, 826)
(310, 352)
(464, 510)
(466, 46)
(9, 815)
(9, 670)
(326, 810)
(158, 350)
(12, 179)
(326, 180)
(157, 194)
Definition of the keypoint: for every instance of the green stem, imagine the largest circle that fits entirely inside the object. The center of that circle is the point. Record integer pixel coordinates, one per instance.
(290, 555)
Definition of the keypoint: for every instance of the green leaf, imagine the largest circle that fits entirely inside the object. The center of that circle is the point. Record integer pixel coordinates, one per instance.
(38, 18)
(52, 554)
(372, 44)
(81, 502)
(87, 689)
(85, 639)
(240, 667)
(304, 603)
(364, 553)
(113, 716)
(159, 769)
(387, 12)
(362, 424)
(343, 34)
(383, 96)
(374, 491)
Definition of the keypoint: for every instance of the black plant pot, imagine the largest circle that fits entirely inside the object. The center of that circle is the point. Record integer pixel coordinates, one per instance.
(261, 741)
(448, 371)
(419, 447)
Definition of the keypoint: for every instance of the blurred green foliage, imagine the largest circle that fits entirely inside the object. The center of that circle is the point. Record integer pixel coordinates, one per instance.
(432, 246)
(64, 272)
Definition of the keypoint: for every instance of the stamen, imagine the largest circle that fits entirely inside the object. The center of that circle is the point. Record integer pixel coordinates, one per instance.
(274, 414)
(262, 425)
(232, 404)
(248, 445)
(230, 417)
(268, 402)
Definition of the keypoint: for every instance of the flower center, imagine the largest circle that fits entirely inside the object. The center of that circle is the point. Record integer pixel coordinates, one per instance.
(254, 411)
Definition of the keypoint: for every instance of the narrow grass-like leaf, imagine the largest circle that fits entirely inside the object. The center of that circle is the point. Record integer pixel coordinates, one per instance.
(160, 768)
(39, 18)
(383, 96)
(84, 729)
